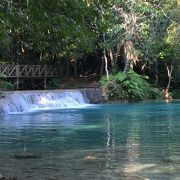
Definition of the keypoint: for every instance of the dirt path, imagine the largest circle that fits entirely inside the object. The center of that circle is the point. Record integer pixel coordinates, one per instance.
(80, 83)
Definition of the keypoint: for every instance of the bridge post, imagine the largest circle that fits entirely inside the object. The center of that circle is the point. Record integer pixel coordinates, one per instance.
(17, 76)
(45, 77)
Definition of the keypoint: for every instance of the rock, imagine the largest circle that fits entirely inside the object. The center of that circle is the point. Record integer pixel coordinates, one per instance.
(94, 95)
(89, 157)
(138, 167)
(2, 95)
(25, 155)
(5, 178)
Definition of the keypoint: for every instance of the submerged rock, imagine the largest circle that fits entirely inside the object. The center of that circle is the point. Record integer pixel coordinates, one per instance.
(5, 178)
(25, 155)
(138, 167)
(89, 157)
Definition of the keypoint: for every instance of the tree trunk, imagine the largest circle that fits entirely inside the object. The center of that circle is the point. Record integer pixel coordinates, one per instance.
(101, 72)
(169, 72)
(40, 56)
(106, 64)
(67, 68)
(112, 59)
(75, 68)
(127, 52)
(116, 56)
(156, 73)
(105, 58)
(166, 91)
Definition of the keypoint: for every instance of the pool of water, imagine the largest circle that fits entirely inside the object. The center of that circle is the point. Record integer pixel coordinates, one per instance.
(121, 141)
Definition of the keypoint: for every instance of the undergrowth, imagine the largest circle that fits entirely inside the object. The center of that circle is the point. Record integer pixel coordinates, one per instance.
(128, 86)
(5, 85)
(54, 83)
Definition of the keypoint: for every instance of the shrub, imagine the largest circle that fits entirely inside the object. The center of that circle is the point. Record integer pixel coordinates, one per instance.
(54, 84)
(4, 85)
(176, 94)
(128, 86)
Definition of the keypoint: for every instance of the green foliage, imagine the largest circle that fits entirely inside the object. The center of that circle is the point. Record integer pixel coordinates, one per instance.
(61, 28)
(54, 84)
(176, 94)
(4, 85)
(47, 31)
(128, 86)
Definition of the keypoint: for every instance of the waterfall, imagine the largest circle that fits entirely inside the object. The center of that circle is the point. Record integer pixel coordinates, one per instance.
(41, 100)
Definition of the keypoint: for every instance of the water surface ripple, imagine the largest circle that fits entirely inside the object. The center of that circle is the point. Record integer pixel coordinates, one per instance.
(122, 141)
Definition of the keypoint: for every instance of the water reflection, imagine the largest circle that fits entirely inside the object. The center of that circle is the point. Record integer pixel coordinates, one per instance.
(40, 119)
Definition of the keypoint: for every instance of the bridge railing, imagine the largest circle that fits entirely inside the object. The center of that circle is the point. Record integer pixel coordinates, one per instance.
(29, 71)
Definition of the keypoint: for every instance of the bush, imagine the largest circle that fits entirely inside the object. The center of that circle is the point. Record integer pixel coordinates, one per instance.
(54, 84)
(4, 85)
(176, 94)
(128, 86)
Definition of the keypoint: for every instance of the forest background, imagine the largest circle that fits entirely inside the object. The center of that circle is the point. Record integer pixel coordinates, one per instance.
(132, 46)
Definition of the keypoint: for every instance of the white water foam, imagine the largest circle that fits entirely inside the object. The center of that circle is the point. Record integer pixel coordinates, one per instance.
(34, 101)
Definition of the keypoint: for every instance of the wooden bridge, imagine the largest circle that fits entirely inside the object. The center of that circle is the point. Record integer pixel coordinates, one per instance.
(10, 71)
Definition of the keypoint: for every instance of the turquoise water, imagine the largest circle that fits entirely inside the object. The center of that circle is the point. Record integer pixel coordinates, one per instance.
(122, 141)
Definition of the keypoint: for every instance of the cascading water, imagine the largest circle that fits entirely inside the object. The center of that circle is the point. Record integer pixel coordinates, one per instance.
(41, 100)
